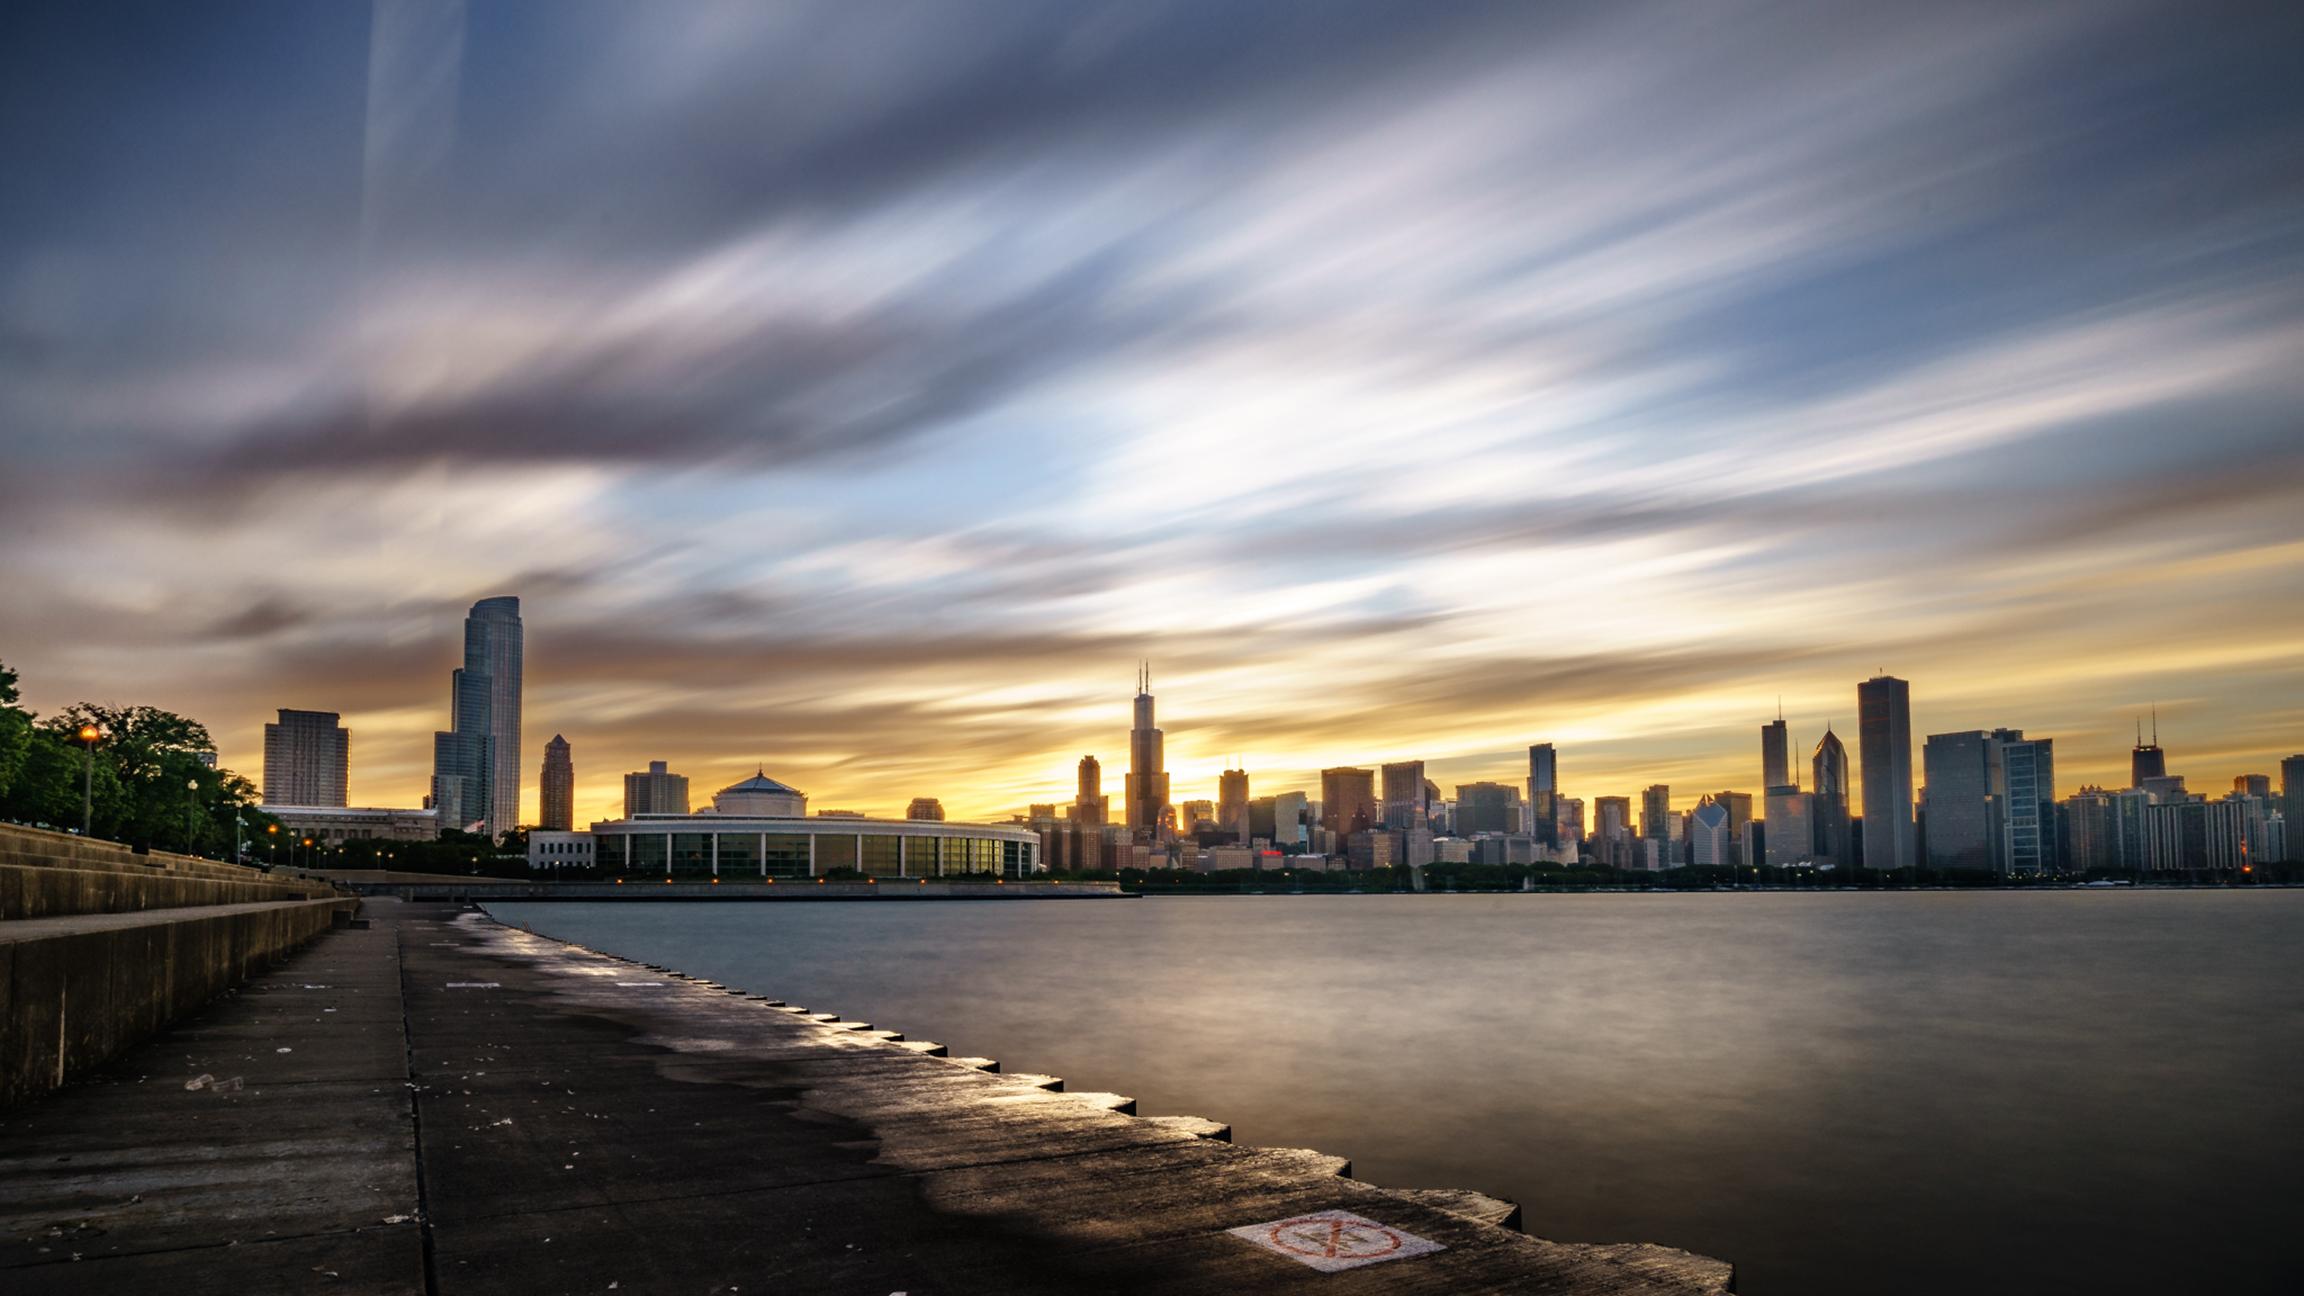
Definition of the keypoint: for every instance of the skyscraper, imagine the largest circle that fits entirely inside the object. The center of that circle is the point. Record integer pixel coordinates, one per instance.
(1775, 757)
(2292, 805)
(1957, 796)
(1656, 819)
(1090, 807)
(656, 791)
(1543, 794)
(2024, 803)
(1147, 785)
(2147, 761)
(1791, 822)
(1483, 808)
(1884, 732)
(1612, 832)
(1404, 803)
(556, 790)
(1708, 834)
(1347, 800)
(1290, 810)
(1232, 803)
(307, 759)
(1828, 770)
(476, 763)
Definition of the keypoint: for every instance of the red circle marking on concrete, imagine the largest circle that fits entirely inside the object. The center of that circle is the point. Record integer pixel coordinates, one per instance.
(1337, 1246)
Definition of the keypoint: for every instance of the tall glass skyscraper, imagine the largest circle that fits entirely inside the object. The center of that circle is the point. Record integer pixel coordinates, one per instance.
(476, 764)
(1829, 770)
(1958, 792)
(1884, 739)
(1544, 794)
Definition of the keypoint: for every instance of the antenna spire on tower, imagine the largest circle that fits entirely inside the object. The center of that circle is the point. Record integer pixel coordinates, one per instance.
(2155, 724)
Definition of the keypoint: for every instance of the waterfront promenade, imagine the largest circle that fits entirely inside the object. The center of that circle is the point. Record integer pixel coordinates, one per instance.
(439, 1103)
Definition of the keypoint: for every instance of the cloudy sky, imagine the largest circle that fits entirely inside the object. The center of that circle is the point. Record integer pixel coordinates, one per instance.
(863, 389)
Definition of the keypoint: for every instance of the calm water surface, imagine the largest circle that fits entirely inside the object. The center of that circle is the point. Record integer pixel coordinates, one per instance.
(2063, 1092)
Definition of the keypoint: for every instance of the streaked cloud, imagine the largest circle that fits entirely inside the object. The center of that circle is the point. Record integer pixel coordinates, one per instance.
(863, 391)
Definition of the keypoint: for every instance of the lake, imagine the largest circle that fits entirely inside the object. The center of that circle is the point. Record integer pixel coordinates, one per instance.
(1882, 1093)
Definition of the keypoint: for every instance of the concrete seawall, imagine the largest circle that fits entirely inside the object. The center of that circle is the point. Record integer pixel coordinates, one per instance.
(440, 1104)
(101, 947)
(475, 890)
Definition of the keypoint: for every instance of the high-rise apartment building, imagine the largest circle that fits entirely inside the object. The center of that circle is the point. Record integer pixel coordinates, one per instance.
(1775, 757)
(307, 759)
(656, 790)
(476, 762)
(1404, 802)
(2024, 803)
(1348, 801)
(1828, 772)
(1884, 736)
(1956, 796)
(1147, 779)
(925, 808)
(556, 788)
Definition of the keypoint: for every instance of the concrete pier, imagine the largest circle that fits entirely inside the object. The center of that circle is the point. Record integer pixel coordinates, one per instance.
(441, 1104)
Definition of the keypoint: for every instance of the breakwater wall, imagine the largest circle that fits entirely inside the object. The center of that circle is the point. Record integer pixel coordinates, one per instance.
(100, 947)
(406, 886)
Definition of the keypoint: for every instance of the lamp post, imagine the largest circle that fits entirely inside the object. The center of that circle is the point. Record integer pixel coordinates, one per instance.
(191, 803)
(272, 830)
(89, 736)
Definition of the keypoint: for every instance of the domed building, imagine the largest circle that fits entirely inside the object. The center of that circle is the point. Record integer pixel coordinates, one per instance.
(761, 797)
(760, 830)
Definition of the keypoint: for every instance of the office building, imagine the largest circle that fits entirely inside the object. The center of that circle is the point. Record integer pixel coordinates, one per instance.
(1828, 773)
(1197, 816)
(1775, 756)
(2147, 761)
(1405, 805)
(1791, 827)
(1612, 832)
(1884, 736)
(1956, 797)
(1484, 808)
(476, 762)
(1543, 817)
(657, 790)
(1657, 822)
(1291, 820)
(928, 809)
(1708, 835)
(1348, 801)
(2255, 785)
(1569, 814)
(2091, 831)
(556, 788)
(2292, 805)
(307, 759)
(1090, 807)
(1739, 808)
(1149, 812)
(1232, 805)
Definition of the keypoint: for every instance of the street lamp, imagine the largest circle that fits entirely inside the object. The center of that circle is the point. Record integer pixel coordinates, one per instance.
(88, 737)
(272, 830)
(191, 803)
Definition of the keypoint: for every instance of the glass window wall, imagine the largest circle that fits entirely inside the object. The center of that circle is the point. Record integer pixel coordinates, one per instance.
(880, 856)
(739, 856)
(787, 855)
(647, 854)
(692, 854)
(920, 857)
(835, 850)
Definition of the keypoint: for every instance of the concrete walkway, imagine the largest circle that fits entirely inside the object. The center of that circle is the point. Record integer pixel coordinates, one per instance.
(444, 1105)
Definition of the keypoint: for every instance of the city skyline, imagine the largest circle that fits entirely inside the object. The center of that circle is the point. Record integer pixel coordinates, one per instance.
(1410, 383)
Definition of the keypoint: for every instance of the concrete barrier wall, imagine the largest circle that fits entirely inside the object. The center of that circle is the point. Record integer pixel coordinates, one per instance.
(48, 874)
(73, 1000)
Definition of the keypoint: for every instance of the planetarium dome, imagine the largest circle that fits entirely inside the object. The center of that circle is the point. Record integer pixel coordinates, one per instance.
(761, 797)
